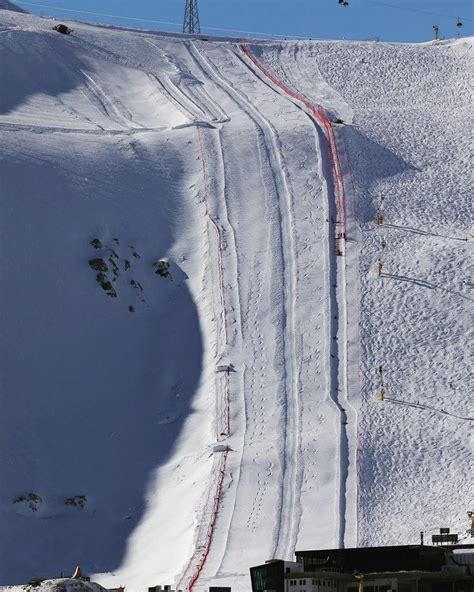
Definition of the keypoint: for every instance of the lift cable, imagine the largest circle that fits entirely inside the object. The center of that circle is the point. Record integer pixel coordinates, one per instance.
(449, 16)
(146, 20)
(129, 18)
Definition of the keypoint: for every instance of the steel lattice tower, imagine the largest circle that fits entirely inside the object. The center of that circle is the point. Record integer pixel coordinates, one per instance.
(191, 18)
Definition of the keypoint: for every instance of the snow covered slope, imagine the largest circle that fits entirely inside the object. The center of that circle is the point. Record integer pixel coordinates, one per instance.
(409, 154)
(189, 370)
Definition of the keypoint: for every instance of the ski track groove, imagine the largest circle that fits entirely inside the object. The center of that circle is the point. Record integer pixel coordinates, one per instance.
(39, 129)
(199, 60)
(205, 532)
(235, 340)
(169, 92)
(214, 111)
(350, 307)
(187, 104)
(334, 329)
(287, 526)
(338, 303)
(223, 425)
(114, 110)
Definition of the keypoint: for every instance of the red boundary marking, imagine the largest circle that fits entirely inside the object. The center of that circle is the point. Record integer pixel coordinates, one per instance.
(222, 432)
(221, 276)
(319, 115)
(212, 524)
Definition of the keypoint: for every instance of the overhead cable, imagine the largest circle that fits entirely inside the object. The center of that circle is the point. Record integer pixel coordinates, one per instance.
(146, 20)
(377, 3)
(129, 18)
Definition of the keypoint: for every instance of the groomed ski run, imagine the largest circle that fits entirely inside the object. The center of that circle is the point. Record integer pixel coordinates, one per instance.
(231, 412)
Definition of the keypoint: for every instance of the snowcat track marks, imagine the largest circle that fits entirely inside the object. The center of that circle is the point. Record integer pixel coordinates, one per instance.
(225, 217)
(320, 119)
(219, 226)
(289, 487)
(350, 279)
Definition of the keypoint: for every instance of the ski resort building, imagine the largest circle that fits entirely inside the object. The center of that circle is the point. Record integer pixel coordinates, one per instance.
(408, 568)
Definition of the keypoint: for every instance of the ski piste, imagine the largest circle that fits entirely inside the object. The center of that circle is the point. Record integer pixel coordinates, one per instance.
(235, 413)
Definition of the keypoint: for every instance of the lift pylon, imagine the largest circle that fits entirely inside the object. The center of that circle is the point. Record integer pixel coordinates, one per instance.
(191, 18)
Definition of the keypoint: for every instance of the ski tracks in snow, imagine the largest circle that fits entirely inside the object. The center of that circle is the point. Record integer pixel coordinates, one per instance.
(288, 504)
(193, 101)
(112, 109)
(343, 311)
(226, 305)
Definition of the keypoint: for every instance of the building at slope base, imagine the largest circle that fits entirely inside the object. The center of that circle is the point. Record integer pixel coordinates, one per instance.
(407, 568)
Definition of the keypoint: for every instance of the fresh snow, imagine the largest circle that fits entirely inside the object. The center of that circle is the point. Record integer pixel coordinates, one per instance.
(233, 414)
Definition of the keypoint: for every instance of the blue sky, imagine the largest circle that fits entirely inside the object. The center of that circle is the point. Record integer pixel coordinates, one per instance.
(390, 20)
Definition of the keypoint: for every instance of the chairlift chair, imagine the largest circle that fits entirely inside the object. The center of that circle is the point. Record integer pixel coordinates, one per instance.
(459, 23)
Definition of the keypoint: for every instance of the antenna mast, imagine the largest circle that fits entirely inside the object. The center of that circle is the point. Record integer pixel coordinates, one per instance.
(191, 18)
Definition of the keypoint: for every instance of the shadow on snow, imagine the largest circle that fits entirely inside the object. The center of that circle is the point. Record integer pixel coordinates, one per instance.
(93, 396)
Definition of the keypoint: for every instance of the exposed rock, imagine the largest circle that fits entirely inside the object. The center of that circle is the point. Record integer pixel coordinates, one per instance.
(162, 268)
(32, 500)
(77, 500)
(98, 265)
(96, 243)
(108, 288)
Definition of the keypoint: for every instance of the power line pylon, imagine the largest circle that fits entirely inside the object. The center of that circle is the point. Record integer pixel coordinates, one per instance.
(191, 18)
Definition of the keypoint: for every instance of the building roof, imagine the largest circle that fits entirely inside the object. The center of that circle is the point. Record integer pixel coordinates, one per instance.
(400, 575)
(392, 547)
(376, 559)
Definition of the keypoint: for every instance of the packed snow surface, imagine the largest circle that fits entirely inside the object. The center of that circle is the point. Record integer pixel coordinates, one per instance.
(191, 376)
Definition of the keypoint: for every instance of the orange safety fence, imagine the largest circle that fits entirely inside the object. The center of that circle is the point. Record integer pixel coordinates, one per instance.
(319, 115)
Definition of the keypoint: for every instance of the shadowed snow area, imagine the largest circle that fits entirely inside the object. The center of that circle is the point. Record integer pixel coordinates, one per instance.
(192, 357)
(95, 395)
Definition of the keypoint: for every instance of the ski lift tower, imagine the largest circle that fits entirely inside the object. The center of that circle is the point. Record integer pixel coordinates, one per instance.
(191, 18)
